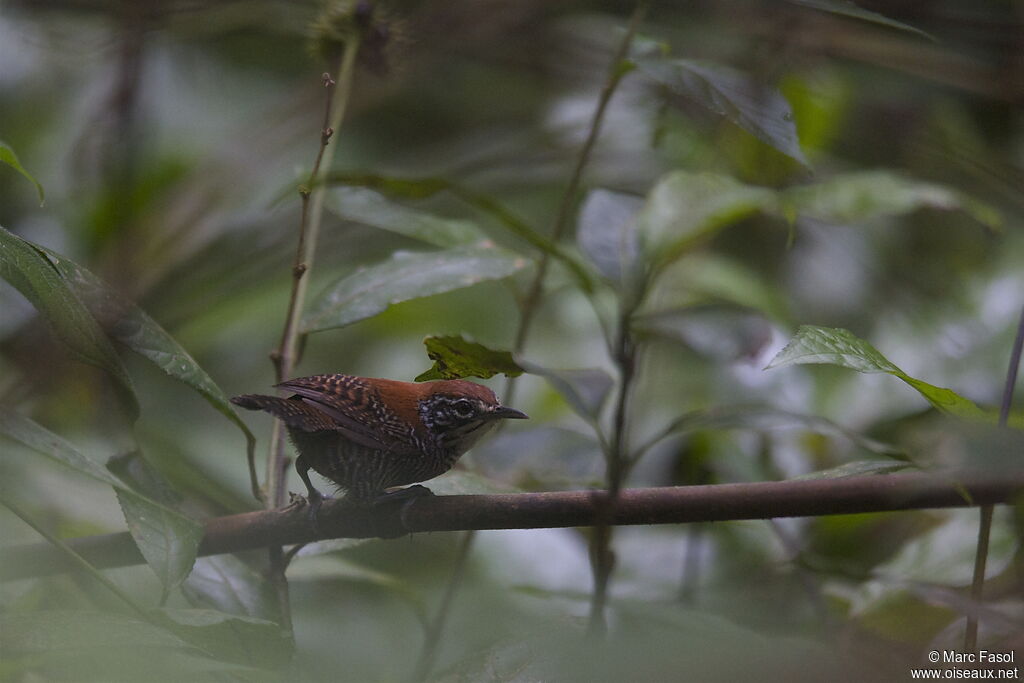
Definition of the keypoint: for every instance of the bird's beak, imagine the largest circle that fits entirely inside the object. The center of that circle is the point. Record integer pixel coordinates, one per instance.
(508, 413)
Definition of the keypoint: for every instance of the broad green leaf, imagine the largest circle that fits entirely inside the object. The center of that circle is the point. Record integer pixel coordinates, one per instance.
(7, 156)
(705, 277)
(227, 584)
(861, 196)
(406, 276)
(246, 640)
(135, 471)
(132, 327)
(836, 346)
(167, 540)
(848, 9)
(755, 107)
(29, 270)
(606, 233)
(585, 390)
(456, 357)
(945, 554)
(858, 468)
(365, 206)
(85, 645)
(686, 208)
(422, 188)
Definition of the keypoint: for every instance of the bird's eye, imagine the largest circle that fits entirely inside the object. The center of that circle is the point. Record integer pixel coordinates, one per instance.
(463, 408)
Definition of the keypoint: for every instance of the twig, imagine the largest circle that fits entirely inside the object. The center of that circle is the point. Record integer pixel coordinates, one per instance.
(985, 521)
(428, 654)
(287, 353)
(616, 72)
(664, 505)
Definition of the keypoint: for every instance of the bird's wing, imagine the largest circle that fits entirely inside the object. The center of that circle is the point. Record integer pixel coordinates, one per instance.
(351, 406)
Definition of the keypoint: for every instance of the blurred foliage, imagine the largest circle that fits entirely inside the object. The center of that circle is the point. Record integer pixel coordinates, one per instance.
(848, 177)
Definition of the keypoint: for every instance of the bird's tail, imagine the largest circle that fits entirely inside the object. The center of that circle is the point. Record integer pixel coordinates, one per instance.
(293, 412)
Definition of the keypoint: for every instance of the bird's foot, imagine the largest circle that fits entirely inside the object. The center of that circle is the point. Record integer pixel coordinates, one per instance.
(404, 500)
(314, 500)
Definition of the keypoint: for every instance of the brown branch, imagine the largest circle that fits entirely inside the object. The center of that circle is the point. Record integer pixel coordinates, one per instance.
(665, 505)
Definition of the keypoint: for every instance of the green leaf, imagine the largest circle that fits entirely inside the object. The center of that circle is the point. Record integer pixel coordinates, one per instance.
(862, 196)
(848, 9)
(585, 390)
(686, 208)
(7, 156)
(858, 468)
(167, 540)
(227, 584)
(406, 276)
(253, 642)
(29, 270)
(422, 188)
(606, 233)
(132, 327)
(456, 357)
(755, 107)
(105, 646)
(836, 346)
(370, 208)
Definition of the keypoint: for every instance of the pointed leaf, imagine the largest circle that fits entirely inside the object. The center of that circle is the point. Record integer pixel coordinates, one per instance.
(365, 206)
(848, 9)
(227, 584)
(607, 234)
(584, 390)
(167, 540)
(836, 346)
(755, 107)
(29, 270)
(406, 276)
(7, 156)
(858, 468)
(246, 640)
(685, 208)
(421, 188)
(456, 357)
(856, 197)
(132, 327)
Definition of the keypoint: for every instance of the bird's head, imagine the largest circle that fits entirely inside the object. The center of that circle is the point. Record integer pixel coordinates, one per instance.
(458, 412)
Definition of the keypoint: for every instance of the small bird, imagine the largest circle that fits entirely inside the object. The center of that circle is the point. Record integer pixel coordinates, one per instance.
(367, 434)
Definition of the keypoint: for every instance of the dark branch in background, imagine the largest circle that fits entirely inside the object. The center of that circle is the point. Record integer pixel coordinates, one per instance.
(985, 523)
(666, 505)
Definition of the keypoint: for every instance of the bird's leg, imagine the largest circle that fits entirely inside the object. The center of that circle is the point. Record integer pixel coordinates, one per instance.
(404, 499)
(313, 497)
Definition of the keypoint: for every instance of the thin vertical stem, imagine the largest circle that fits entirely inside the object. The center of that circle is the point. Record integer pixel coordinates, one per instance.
(568, 201)
(432, 638)
(286, 355)
(985, 522)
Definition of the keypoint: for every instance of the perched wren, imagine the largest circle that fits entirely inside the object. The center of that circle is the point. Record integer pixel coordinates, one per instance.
(367, 434)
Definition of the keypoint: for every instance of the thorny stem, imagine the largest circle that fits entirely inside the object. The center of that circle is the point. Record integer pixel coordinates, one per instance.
(433, 635)
(985, 523)
(287, 354)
